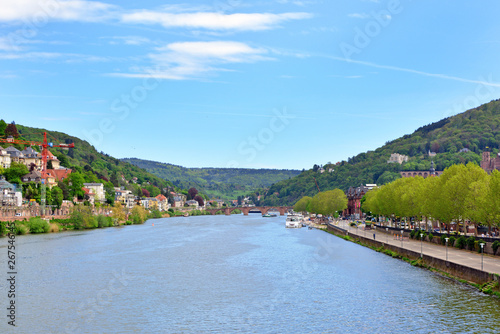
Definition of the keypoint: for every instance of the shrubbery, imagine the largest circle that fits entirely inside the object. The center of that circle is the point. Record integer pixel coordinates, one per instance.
(37, 225)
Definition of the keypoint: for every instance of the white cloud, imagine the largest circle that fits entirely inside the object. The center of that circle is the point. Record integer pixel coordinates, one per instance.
(192, 60)
(129, 40)
(40, 12)
(213, 21)
(52, 56)
(359, 15)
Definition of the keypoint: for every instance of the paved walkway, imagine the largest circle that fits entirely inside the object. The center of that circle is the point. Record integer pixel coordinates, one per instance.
(467, 258)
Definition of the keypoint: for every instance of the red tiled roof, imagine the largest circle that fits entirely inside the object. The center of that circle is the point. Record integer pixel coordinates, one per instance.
(161, 197)
(59, 174)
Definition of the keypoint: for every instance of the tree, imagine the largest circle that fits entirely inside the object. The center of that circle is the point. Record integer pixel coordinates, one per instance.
(302, 204)
(109, 193)
(3, 126)
(192, 192)
(57, 196)
(76, 184)
(199, 199)
(11, 130)
(145, 193)
(119, 212)
(15, 172)
(329, 202)
(138, 214)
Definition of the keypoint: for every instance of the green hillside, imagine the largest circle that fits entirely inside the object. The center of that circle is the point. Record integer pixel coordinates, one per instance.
(225, 183)
(84, 158)
(477, 130)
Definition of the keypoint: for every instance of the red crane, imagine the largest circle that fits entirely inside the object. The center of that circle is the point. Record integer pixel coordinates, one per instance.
(45, 153)
(316, 184)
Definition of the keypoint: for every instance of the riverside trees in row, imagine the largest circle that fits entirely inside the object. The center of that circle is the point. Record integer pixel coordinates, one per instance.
(326, 203)
(462, 193)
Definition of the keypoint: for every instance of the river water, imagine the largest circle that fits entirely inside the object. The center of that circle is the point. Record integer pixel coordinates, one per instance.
(228, 274)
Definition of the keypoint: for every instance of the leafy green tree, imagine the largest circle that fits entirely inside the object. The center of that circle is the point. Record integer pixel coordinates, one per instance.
(388, 177)
(3, 126)
(302, 204)
(329, 202)
(109, 193)
(57, 196)
(76, 181)
(15, 172)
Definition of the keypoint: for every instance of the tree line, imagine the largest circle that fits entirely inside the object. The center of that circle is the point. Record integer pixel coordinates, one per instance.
(464, 194)
(327, 203)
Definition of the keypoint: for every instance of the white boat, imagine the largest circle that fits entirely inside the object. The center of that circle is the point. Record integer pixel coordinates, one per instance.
(293, 221)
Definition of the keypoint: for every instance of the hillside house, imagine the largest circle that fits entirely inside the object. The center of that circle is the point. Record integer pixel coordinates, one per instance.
(32, 158)
(10, 195)
(397, 158)
(97, 189)
(192, 203)
(34, 176)
(162, 203)
(15, 154)
(4, 158)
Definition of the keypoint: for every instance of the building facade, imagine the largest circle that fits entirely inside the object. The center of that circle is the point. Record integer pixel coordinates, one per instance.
(489, 164)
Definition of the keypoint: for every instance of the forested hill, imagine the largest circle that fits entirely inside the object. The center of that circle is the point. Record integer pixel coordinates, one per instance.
(225, 183)
(84, 158)
(475, 130)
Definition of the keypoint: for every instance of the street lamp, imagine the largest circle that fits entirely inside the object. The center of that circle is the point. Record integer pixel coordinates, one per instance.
(446, 247)
(387, 231)
(421, 249)
(482, 252)
(402, 238)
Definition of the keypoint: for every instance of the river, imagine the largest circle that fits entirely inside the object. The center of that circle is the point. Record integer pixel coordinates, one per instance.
(228, 274)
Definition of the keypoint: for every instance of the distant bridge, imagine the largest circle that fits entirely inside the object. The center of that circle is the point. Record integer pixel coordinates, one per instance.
(246, 209)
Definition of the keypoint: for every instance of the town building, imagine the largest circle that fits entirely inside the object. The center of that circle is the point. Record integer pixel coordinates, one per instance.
(412, 173)
(97, 189)
(488, 163)
(4, 158)
(10, 195)
(354, 196)
(397, 158)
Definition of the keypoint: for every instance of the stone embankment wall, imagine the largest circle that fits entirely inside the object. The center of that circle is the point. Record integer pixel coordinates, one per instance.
(454, 269)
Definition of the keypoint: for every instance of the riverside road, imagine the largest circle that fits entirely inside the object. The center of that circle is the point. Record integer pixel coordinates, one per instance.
(467, 258)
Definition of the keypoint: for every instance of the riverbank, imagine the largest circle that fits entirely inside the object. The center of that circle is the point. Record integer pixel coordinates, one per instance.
(462, 269)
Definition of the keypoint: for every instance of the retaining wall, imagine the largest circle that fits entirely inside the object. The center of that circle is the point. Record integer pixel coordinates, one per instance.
(454, 269)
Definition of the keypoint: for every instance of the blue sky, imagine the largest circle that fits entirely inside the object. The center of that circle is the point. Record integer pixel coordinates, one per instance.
(233, 83)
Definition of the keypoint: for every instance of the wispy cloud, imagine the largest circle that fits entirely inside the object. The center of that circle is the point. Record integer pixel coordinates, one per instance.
(52, 56)
(422, 73)
(213, 21)
(359, 15)
(190, 60)
(65, 10)
(129, 40)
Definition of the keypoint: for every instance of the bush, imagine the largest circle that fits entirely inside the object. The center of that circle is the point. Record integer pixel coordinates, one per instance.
(21, 229)
(3, 228)
(431, 236)
(471, 243)
(451, 242)
(38, 225)
(103, 221)
(495, 246)
(443, 239)
(461, 242)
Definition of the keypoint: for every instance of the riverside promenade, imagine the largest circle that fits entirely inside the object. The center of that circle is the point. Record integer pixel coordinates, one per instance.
(450, 255)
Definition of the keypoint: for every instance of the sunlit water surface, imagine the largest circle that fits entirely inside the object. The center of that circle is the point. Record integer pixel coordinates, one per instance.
(229, 274)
